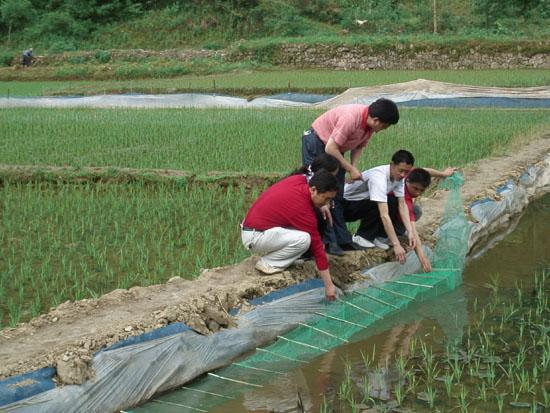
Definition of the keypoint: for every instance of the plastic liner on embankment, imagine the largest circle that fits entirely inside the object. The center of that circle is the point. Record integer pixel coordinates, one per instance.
(131, 374)
(424, 92)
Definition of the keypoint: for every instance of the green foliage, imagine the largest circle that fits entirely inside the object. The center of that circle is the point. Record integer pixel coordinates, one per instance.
(59, 30)
(16, 12)
(103, 56)
(169, 24)
(6, 58)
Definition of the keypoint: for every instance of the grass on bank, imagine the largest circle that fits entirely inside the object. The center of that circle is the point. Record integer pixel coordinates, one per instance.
(273, 81)
(69, 241)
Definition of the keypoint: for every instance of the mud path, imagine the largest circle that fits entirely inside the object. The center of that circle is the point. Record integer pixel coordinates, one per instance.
(68, 336)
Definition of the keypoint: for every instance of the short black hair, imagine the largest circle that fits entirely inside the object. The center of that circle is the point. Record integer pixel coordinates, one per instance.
(402, 156)
(324, 181)
(321, 161)
(420, 176)
(385, 110)
(325, 161)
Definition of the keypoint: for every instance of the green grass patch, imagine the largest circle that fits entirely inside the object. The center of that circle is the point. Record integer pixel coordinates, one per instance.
(68, 242)
(239, 140)
(245, 82)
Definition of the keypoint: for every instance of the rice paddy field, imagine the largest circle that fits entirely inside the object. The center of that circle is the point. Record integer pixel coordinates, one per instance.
(246, 82)
(267, 140)
(62, 241)
(67, 241)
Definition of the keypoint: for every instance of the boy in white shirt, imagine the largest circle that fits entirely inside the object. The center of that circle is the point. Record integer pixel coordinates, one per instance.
(368, 201)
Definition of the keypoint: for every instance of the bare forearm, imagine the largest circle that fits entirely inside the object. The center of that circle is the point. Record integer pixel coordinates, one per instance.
(330, 289)
(335, 151)
(404, 214)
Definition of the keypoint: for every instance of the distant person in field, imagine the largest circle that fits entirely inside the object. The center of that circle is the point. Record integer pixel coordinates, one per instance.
(346, 128)
(282, 224)
(27, 57)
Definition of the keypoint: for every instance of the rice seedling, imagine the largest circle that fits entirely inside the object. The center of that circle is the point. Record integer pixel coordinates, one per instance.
(398, 392)
(204, 140)
(483, 392)
(463, 399)
(430, 395)
(448, 382)
(78, 241)
(500, 401)
(485, 369)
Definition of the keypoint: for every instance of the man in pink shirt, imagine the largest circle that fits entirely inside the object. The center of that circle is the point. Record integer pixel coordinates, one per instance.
(346, 128)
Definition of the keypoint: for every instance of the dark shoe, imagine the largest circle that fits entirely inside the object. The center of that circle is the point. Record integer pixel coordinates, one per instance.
(334, 249)
(353, 246)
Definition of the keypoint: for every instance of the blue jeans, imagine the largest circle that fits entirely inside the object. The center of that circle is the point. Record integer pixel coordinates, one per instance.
(312, 146)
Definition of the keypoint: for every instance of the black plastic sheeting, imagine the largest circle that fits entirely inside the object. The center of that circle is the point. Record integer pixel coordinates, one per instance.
(495, 102)
(459, 102)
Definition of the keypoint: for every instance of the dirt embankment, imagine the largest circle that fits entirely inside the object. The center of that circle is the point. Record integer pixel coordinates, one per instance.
(68, 336)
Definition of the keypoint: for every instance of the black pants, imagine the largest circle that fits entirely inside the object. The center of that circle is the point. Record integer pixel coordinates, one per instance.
(312, 146)
(371, 225)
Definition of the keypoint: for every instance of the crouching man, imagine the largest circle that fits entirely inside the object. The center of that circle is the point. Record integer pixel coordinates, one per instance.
(281, 225)
(370, 201)
(416, 183)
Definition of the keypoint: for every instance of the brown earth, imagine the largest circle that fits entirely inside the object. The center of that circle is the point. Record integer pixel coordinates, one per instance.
(68, 335)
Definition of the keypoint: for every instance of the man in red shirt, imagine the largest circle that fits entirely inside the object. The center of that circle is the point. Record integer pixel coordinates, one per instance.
(281, 225)
(342, 129)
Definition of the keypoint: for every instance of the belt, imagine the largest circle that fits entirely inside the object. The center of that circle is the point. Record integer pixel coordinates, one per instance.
(250, 229)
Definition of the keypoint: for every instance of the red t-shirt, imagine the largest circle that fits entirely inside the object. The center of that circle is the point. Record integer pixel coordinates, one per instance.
(410, 203)
(288, 204)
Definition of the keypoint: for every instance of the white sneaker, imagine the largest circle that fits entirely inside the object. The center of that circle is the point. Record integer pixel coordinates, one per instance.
(266, 268)
(359, 240)
(379, 243)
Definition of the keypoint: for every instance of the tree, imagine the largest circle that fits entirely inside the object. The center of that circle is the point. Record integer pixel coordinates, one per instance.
(15, 12)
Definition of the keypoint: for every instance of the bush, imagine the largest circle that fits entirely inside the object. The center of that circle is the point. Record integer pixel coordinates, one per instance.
(103, 56)
(59, 25)
(76, 60)
(6, 58)
(58, 45)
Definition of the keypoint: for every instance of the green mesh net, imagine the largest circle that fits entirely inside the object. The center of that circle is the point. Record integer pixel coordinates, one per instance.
(337, 323)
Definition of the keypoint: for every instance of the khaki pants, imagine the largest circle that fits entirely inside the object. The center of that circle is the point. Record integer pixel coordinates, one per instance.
(278, 247)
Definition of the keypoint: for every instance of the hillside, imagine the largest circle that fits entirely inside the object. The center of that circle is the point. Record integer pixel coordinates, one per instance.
(68, 25)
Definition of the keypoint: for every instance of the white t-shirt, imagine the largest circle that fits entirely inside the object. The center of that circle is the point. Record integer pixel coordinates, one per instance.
(376, 185)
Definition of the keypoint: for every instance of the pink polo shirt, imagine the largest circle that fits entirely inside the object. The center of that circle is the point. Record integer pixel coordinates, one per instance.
(346, 125)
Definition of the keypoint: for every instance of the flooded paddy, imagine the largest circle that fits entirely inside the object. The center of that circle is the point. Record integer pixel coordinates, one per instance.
(483, 347)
